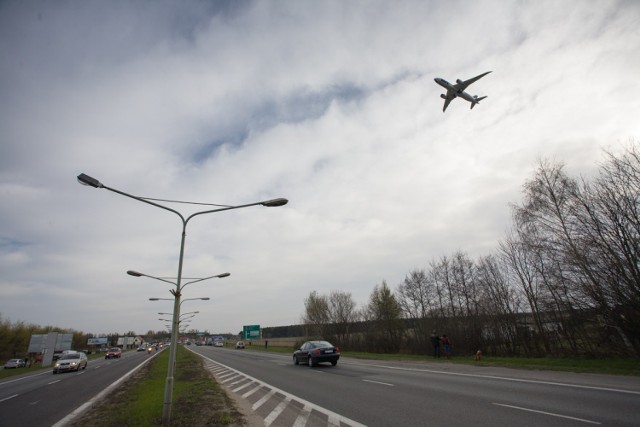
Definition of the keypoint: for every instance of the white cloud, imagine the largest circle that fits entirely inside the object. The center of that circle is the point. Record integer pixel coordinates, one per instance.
(329, 104)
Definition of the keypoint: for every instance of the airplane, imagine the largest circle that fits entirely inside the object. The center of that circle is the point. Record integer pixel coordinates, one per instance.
(457, 90)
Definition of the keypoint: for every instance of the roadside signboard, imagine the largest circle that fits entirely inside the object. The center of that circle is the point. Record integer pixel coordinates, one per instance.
(251, 332)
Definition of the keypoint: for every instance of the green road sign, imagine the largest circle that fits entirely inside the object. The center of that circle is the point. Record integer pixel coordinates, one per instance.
(251, 332)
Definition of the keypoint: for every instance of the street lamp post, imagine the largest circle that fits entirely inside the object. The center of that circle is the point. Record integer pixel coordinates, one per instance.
(183, 314)
(168, 392)
(182, 322)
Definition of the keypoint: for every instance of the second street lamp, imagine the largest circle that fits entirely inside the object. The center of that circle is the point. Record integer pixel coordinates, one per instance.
(180, 321)
(85, 179)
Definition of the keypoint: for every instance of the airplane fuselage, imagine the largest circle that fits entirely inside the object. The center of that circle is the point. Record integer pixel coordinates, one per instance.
(457, 93)
(457, 90)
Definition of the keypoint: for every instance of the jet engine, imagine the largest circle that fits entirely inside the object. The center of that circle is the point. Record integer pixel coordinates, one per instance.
(459, 81)
(443, 96)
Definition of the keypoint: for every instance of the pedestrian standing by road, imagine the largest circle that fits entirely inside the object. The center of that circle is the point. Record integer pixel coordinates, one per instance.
(446, 343)
(435, 342)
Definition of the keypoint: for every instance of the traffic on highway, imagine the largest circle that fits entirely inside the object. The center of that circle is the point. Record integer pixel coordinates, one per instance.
(280, 392)
(380, 393)
(38, 398)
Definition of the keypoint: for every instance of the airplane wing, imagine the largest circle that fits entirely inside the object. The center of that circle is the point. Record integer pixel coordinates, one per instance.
(447, 100)
(462, 86)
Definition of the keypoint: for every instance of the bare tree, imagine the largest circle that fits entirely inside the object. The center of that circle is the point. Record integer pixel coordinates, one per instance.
(342, 315)
(610, 216)
(385, 325)
(501, 304)
(316, 316)
(417, 297)
(517, 251)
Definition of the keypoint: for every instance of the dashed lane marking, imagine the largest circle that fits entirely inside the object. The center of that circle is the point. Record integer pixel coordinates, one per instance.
(377, 382)
(547, 413)
(10, 397)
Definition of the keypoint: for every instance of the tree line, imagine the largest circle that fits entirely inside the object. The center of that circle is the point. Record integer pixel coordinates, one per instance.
(15, 337)
(564, 280)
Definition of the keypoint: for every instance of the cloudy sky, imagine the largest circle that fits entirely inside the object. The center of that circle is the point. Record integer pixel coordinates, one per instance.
(330, 104)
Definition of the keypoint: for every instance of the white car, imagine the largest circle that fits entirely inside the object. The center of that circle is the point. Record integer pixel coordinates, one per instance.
(71, 362)
(14, 363)
(218, 343)
(240, 344)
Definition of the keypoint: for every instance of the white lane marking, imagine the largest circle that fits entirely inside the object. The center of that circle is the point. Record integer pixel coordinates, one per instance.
(304, 415)
(242, 387)
(378, 382)
(25, 377)
(306, 403)
(253, 390)
(10, 397)
(499, 378)
(53, 382)
(333, 421)
(276, 411)
(263, 399)
(548, 413)
(232, 378)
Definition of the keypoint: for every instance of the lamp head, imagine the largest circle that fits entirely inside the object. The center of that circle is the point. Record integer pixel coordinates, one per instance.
(134, 273)
(275, 202)
(223, 275)
(85, 179)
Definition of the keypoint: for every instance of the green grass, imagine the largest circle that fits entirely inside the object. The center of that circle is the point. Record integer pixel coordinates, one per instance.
(600, 366)
(197, 399)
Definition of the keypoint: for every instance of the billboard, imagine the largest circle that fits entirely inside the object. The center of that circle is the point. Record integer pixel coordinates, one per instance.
(97, 341)
(251, 332)
(124, 341)
(47, 344)
(53, 341)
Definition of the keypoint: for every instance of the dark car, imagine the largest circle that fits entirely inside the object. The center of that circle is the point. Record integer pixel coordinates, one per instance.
(113, 353)
(314, 352)
(71, 362)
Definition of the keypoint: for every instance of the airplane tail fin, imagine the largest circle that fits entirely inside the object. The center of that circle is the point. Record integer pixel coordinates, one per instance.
(477, 100)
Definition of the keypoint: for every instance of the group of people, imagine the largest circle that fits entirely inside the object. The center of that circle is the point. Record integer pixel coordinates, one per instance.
(440, 341)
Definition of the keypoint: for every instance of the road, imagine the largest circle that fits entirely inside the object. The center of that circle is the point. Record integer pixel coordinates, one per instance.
(378, 393)
(42, 399)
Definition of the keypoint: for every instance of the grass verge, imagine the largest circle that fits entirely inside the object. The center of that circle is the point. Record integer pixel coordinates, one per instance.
(197, 399)
(597, 366)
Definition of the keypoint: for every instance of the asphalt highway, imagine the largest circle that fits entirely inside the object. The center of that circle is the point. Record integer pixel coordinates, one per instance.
(378, 393)
(354, 393)
(43, 399)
